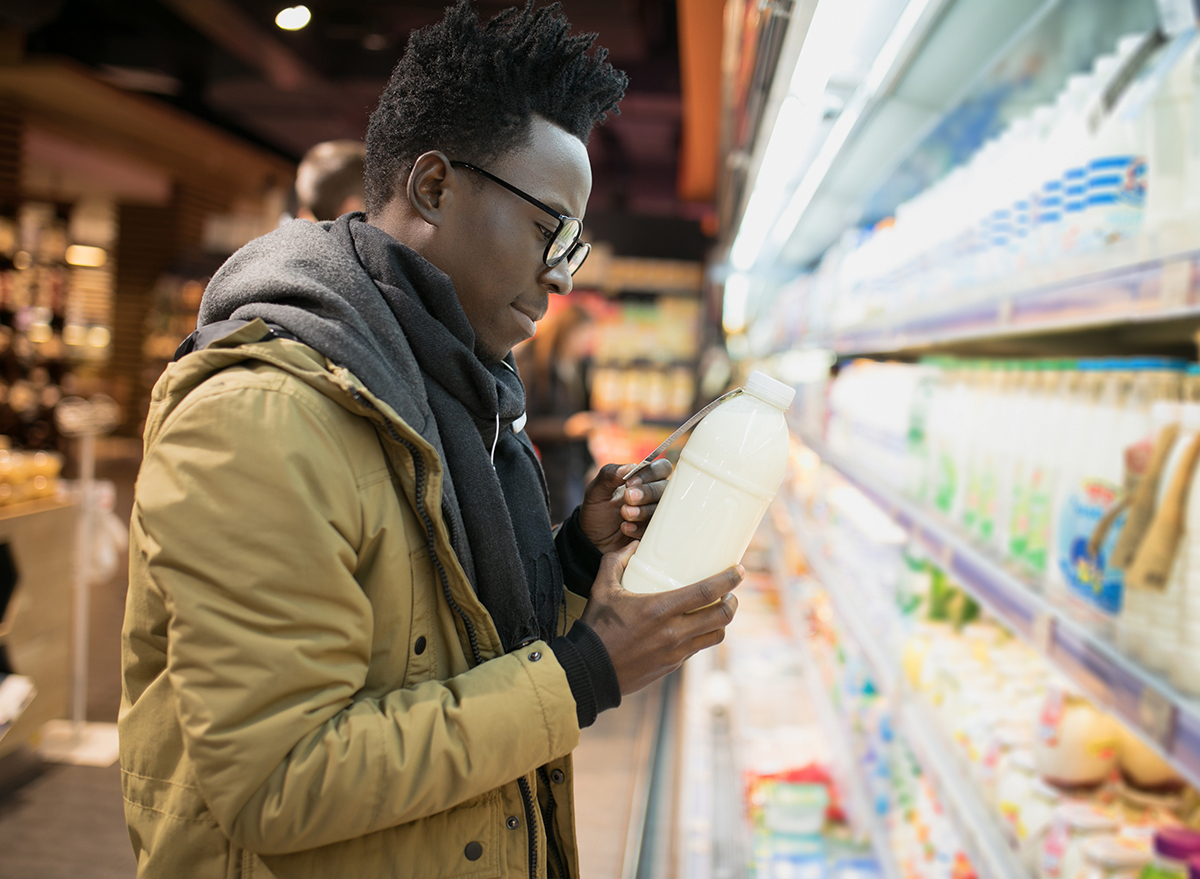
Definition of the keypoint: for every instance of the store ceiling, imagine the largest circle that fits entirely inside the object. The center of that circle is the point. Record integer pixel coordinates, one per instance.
(228, 63)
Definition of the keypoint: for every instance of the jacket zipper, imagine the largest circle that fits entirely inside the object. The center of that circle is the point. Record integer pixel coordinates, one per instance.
(419, 467)
(548, 823)
(531, 823)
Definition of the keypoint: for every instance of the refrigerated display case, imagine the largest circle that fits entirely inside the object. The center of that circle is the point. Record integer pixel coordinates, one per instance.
(984, 219)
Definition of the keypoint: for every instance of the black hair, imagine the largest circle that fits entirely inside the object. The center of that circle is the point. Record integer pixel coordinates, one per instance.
(471, 91)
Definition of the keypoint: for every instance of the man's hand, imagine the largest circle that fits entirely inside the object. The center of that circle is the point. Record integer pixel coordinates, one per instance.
(614, 512)
(648, 636)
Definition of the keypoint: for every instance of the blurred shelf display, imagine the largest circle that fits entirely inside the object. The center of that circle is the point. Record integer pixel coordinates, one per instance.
(1010, 748)
(1144, 700)
(1046, 187)
(759, 794)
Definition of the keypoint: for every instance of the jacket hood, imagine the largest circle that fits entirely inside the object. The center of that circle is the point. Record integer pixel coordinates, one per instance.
(303, 276)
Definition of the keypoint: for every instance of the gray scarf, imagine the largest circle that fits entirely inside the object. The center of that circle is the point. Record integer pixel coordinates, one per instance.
(376, 307)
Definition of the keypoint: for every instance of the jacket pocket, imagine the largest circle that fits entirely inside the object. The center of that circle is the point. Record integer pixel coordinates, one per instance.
(460, 843)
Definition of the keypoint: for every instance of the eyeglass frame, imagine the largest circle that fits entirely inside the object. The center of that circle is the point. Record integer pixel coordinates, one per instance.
(562, 219)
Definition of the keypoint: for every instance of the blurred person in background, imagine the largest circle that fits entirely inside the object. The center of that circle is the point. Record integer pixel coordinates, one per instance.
(353, 643)
(554, 366)
(329, 181)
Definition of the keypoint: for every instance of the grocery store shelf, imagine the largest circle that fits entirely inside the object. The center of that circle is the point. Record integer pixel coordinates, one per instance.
(865, 821)
(847, 609)
(977, 828)
(1165, 718)
(1155, 291)
(985, 845)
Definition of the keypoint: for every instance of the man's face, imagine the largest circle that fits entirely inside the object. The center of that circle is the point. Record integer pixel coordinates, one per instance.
(492, 243)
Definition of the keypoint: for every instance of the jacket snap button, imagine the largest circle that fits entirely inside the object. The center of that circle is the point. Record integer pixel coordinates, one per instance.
(535, 656)
(513, 822)
(556, 776)
(419, 647)
(473, 851)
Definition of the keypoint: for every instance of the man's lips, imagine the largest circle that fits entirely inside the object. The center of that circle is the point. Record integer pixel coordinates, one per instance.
(528, 317)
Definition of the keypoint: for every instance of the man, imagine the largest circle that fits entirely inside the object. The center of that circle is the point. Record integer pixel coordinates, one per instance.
(329, 181)
(348, 650)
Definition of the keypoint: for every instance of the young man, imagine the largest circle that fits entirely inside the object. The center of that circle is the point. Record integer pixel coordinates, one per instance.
(348, 649)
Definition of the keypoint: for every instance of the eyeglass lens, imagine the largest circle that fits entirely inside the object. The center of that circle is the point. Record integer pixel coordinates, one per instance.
(566, 244)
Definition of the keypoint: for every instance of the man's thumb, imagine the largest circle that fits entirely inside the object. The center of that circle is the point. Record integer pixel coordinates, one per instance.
(614, 563)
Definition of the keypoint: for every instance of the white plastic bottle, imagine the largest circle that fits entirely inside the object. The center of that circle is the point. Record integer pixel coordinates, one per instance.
(1170, 135)
(728, 474)
(1166, 609)
(1135, 628)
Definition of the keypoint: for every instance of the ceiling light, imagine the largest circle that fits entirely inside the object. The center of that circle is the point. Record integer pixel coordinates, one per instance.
(293, 18)
(83, 255)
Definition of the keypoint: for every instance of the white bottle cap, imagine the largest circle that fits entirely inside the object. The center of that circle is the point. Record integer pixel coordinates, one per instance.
(769, 390)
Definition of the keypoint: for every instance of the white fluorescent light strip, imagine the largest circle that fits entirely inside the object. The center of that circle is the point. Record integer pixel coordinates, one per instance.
(878, 73)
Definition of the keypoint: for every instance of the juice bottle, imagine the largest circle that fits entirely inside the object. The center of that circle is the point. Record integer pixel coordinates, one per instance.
(1134, 631)
(1079, 416)
(728, 474)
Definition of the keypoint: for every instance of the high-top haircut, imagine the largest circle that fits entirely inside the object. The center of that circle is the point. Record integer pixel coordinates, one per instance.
(472, 90)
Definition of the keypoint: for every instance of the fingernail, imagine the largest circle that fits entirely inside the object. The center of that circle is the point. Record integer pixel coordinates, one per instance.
(741, 571)
(634, 495)
(637, 480)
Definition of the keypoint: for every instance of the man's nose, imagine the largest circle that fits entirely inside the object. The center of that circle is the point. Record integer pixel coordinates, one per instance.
(558, 278)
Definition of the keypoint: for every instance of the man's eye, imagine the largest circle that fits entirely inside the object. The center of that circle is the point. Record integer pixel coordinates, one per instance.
(547, 234)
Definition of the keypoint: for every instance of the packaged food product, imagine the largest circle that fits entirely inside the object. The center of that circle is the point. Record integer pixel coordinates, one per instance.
(1072, 825)
(1114, 857)
(1173, 848)
(1076, 744)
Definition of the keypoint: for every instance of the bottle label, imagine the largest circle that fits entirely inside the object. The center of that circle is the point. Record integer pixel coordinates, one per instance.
(1086, 574)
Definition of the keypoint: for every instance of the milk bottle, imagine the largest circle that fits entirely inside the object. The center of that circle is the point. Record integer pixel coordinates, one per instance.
(1170, 134)
(1185, 664)
(1083, 550)
(728, 474)
(1043, 472)
(1165, 610)
(1080, 433)
(1134, 629)
(1116, 183)
(1020, 437)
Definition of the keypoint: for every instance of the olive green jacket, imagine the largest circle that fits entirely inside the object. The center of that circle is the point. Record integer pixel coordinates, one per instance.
(301, 691)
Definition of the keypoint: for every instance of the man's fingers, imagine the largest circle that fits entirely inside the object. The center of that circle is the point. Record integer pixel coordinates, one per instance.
(614, 563)
(709, 590)
(712, 618)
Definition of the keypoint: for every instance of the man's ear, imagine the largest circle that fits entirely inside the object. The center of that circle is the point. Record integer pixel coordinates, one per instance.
(428, 185)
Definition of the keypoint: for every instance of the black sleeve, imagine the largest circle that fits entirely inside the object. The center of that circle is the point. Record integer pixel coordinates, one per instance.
(579, 559)
(590, 672)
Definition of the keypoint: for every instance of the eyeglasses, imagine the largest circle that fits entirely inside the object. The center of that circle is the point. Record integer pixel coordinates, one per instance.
(564, 243)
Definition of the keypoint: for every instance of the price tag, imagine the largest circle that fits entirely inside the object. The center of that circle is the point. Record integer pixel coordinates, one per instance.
(1157, 716)
(1175, 284)
(1043, 632)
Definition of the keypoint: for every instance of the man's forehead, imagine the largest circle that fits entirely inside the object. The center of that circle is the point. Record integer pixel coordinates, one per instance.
(552, 166)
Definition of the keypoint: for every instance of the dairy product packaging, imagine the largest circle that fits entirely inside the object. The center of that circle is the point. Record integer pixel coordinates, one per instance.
(727, 475)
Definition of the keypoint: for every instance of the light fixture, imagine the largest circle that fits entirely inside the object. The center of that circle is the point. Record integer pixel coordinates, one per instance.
(770, 213)
(87, 256)
(733, 311)
(882, 66)
(98, 337)
(293, 18)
